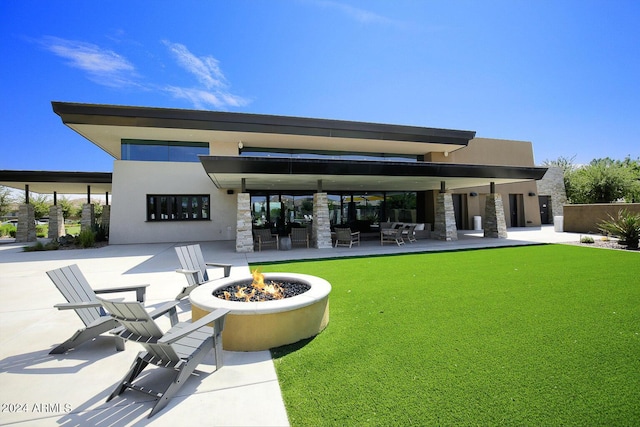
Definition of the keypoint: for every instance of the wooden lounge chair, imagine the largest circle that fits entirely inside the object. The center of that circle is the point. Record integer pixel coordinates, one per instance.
(80, 297)
(345, 237)
(299, 236)
(391, 235)
(408, 233)
(195, 268)
(180, 349)
(263, 237)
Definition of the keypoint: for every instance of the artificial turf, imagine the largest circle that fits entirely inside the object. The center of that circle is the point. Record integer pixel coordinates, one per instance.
(539, 335)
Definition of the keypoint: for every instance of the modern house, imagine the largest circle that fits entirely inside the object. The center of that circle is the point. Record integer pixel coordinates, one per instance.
(185, 175)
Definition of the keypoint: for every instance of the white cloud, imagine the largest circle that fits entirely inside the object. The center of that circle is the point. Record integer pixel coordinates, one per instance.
(208, 73)
(108, 68)
(103, 66)
(206, 69)
(203, 99)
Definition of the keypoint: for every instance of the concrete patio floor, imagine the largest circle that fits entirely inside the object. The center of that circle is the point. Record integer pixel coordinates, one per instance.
(38, 389)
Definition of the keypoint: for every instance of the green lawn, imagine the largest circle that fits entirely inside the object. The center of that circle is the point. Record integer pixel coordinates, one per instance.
(539, 335)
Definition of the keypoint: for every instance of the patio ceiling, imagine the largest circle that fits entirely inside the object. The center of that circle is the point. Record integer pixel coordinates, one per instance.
(339, 175)
(48, 182)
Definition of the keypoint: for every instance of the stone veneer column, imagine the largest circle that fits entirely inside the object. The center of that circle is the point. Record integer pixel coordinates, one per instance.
(56, 222)
(444, 227)
(321, 232)
(244, 234)
(88, 217)
(105, 219)
(494, 222)
(26, 231)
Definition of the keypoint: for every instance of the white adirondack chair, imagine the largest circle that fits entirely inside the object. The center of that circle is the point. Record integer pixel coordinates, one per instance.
(180, 349)
(82, 298)
(195, 268)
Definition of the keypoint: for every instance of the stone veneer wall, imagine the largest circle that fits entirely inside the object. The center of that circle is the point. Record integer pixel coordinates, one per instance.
(244, 234)
(552, 184)
(88, 217)
(494, 221)
(444, 227)
(26, 231)
(321, 234)
(56, 222)
(105, 219)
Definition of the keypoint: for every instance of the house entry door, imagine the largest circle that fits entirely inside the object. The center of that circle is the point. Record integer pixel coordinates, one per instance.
(516, 206)
(544, 209)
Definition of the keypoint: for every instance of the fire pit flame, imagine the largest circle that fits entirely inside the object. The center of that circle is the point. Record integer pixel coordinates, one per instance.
(259, 290)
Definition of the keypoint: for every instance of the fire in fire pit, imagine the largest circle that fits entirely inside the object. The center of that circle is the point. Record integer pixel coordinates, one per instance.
(258, 290)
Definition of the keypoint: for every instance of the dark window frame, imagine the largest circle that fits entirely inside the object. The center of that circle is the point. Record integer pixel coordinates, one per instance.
(178, 207)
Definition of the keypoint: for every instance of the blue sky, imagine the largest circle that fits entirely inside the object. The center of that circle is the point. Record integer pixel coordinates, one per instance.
(563, 74)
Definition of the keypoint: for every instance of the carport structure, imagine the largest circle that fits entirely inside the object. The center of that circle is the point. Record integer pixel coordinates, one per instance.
(54, 183)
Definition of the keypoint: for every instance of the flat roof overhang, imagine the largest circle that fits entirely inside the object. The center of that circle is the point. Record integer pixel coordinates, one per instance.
(107, 125)
(291, 174)
(45, 182)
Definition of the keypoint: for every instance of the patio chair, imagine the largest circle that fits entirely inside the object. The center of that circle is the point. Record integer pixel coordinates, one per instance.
(408, 233)
(263, 237)
(80, 297)
(345, 237)
(179, 350)
(391, 235)
(195, 268)
(299, 236)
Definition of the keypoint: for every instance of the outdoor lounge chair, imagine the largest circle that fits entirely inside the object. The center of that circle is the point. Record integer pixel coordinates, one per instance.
(345, 237)
(180, 349)
(195, 268)
(409, 233)
(263, 237)
(299, 236)
(391, 235)
(80, 297)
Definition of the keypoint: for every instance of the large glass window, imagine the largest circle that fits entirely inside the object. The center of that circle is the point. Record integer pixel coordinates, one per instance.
(165, 207)
(401, 207)
(330, 155)
(360, 211)
(280, 212)
(163, 151)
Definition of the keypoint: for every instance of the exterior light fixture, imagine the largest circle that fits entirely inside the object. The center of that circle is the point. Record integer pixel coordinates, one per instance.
(531, 193)
(240, 145)
(473, 194)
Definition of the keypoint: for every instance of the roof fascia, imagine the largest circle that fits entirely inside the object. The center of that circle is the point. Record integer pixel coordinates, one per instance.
(113, 115)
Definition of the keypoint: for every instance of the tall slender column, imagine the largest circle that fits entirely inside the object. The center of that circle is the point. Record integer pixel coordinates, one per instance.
(88, 217)
(244, 234)
(321, 232)
(56, 222)
(494, 222)
(444, 227)
(26, 231)
(105, 219)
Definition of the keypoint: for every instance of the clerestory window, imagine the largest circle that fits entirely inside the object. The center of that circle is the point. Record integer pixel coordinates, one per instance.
(163, 151)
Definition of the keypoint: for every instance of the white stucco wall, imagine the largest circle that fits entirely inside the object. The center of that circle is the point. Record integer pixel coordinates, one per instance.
(133, 180)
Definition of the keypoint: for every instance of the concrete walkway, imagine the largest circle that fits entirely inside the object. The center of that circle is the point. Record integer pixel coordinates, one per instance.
(38, 389)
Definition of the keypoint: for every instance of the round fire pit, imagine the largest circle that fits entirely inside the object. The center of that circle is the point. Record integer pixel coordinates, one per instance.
(261, 325)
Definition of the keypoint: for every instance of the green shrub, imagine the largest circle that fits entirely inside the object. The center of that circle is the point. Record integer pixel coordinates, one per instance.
(87, 238)
(42, 230)
(626, 227)
(101, 232)
(586, 239)
(39, 246)
(7, 230)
